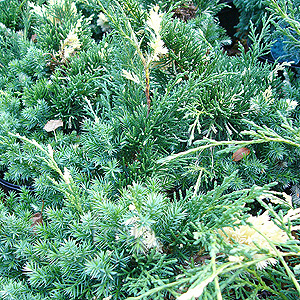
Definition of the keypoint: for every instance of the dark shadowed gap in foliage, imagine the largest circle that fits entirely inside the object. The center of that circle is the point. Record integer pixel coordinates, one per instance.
(186, 11)
(229, 18)
(255, 209)
(264, 295)
(294, 191)
(176, 192)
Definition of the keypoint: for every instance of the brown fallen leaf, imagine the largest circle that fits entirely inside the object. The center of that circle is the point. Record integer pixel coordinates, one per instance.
(240, 153)
(53, 124)
(37, 218)
(33, 38)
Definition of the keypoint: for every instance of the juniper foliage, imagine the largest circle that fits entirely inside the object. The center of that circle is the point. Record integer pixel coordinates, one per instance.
(124, 206)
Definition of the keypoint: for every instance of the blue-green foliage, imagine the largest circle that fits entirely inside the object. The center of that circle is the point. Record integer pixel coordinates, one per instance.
(105, 219)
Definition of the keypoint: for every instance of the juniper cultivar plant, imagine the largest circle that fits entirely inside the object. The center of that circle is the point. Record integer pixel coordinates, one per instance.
(149, 163)
(285, 29)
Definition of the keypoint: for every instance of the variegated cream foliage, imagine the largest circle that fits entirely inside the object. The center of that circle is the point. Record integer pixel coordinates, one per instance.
(251, 236)
(103, 22)
(44, 10)
(157, 45)
(139, 231)
(261, 233)
(130, 76)
(67, 176)
(69, 45)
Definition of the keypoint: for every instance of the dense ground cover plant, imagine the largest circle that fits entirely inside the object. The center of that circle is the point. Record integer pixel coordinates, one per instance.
(124, 205)
(285, 29)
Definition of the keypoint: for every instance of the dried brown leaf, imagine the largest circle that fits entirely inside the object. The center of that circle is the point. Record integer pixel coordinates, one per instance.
(240, 153)
(34, 38)
(36, 219)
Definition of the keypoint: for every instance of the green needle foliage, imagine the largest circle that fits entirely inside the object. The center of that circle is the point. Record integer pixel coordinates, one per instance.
(159, 167)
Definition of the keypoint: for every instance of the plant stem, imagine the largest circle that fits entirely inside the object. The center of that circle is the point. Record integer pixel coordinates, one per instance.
(147, 90)
(216, 280)
(196, 188)
(43, 204)
(213, 143)
(55, 136)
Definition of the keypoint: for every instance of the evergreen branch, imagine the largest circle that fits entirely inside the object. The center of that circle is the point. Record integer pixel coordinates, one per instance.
(224, 268)
(262, 135)
(212, 143)
(160, 288)
(51, 162)
(72, 195)
(264, 286)
(147, 90)
(151, 55)
(283, 14)
(280, 256)
(214, 269)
